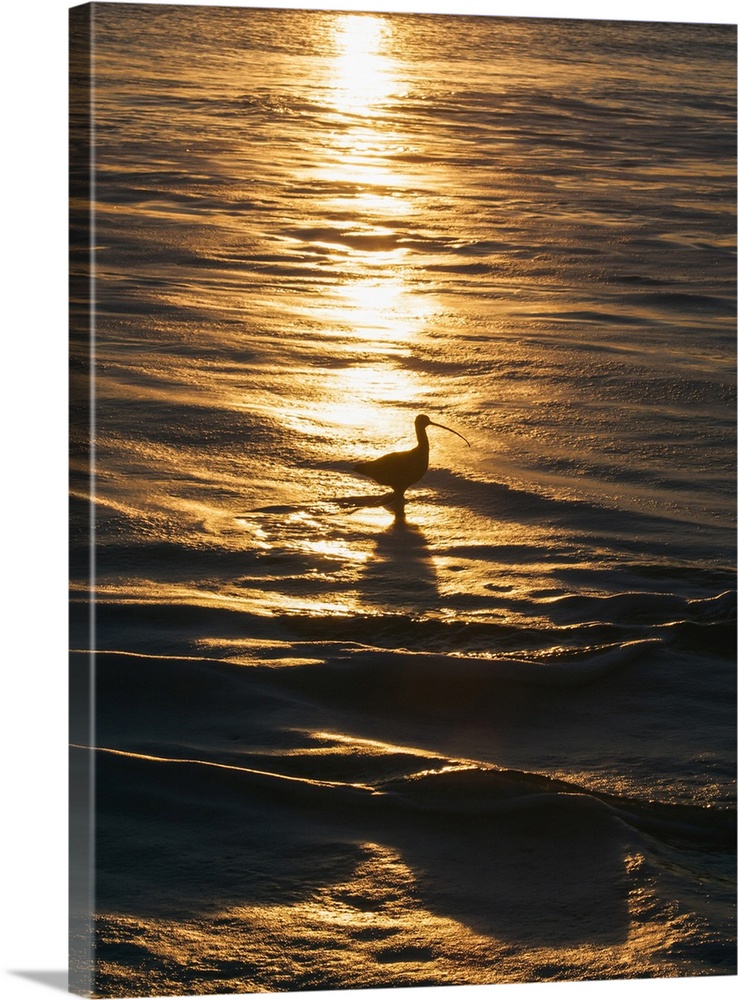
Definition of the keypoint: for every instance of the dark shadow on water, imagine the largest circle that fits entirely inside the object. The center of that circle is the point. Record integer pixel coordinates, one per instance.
(54, 980)
(200, 840)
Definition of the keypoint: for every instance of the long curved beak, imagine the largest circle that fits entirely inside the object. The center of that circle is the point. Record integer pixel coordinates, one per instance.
(444, 428)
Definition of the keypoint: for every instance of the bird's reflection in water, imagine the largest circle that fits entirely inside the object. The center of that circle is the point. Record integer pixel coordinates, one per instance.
(400, 574)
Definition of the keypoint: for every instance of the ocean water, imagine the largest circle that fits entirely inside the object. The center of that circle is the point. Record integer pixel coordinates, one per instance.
(489, 736)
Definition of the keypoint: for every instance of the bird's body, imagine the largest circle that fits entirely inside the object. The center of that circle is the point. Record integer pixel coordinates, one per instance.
(400, 469)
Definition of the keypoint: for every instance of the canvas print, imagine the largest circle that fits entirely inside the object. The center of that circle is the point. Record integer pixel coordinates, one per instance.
(402, 500)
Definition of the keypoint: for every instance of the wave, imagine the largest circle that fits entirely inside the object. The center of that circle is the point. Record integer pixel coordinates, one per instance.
(468, 676)
(572, 613)
(449, 789)
(473, 790)
(641, 607)
(273, 687)
(349, 669)
(524, 862)
(186, 835)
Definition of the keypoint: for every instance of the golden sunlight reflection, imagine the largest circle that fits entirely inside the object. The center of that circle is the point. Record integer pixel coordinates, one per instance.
(363, 408)
(377, 196)
(384, 309)
(334, 550)
(376, 908)
(374, 385)
(371, 192)
(363, 71)
(365, 160)
(348, 743)
(362, 76)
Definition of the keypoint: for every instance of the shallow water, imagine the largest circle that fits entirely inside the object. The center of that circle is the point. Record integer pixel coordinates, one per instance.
(487, 737)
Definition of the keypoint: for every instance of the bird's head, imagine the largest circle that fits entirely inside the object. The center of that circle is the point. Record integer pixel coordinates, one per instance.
(422, 421)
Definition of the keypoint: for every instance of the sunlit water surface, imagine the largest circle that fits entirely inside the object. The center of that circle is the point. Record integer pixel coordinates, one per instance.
(489, 738)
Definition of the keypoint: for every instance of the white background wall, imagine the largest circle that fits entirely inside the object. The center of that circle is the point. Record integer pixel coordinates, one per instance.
(33, 569)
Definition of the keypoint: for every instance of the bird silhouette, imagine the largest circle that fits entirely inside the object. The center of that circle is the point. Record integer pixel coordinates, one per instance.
(401, 469)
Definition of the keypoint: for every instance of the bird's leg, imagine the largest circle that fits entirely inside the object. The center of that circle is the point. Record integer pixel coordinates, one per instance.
(397, 500)
(399, 513)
